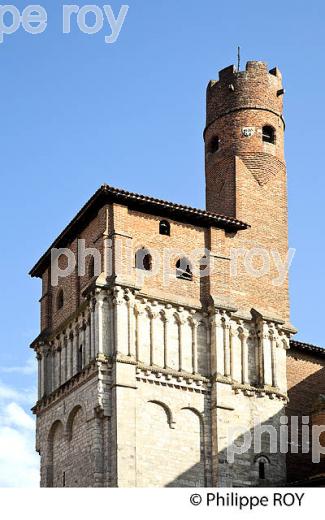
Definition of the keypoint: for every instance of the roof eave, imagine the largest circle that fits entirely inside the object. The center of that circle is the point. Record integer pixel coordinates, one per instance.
(109, 194)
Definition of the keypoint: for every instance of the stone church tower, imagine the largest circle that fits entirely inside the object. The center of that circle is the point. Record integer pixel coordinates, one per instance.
(176, 328)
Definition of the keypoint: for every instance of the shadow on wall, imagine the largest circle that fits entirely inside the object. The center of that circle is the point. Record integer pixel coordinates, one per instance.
(304, 401)
(174, 449)
(250, 467)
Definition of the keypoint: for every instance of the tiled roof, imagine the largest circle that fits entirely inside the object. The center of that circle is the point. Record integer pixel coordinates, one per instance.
(107, 194)
(307, 347)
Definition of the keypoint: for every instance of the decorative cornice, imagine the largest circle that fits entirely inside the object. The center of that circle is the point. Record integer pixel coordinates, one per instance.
(66, 388)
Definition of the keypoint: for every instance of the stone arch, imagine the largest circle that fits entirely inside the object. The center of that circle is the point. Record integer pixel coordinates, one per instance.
(78, 448)
(167, 410)
(195, 411)
(173, 444)
(55, 440)
(188, 449)
(202, 429)
(71, 418)
(55, 426)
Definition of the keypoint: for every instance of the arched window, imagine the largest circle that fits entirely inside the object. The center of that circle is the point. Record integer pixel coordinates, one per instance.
(262, 464)
(214, 144)
(164, 228)
(60, 300)
(268, 134)
(143, 260)
(183, 269)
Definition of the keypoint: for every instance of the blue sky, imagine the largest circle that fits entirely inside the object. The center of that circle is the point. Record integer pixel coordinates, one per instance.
(76, 112)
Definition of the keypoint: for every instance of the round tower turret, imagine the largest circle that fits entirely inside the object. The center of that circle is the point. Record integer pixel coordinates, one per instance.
(243, 120)
(244, 111)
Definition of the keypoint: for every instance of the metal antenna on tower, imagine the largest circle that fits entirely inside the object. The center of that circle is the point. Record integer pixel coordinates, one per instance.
(238, 58)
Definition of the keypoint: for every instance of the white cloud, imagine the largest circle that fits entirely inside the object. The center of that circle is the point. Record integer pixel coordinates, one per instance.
(29, 368)
(15, 415)
(27, 396)
(19, 463)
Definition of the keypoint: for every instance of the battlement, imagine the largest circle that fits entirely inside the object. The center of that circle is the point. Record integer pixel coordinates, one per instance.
(255, 87)
(252, 67)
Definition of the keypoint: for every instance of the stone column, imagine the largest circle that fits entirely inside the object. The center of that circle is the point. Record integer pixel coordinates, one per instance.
(83, 343)
(101, 323)
(217, 355)
(75, 350)
(69, 356)
(153, 316)
(137, 311)
(244, 356)
(55, 367)
(120, 332)
(39, 366)
(194, 327)
(53, 360)
(181, 323)
(63, 360)
(167, 317)
(273, 360)
(59, 355)
(131, 323)
(88, 340)
(265, 360)
(232, 336)
(92, 329)
(43, 372)
(226, 330)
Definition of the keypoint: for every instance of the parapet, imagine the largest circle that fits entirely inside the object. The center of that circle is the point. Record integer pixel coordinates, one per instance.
(256, 86)
(252, 67)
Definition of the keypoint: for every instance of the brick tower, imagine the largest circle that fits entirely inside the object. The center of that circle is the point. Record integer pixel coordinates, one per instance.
(246, 172)
(145, 366)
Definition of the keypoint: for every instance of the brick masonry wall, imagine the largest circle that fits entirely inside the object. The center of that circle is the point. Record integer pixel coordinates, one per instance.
(246, 178)
(306, 381)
